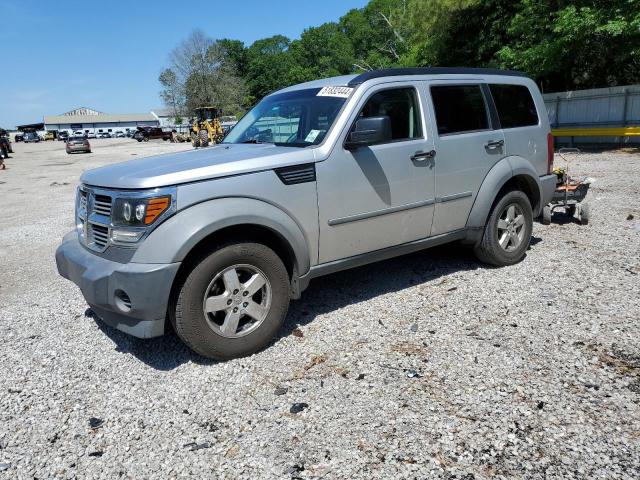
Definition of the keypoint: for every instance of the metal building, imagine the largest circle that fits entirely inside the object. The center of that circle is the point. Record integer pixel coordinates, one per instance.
(87, 120)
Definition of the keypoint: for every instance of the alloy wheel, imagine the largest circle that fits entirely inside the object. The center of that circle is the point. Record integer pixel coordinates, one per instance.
(511, 227)
(237, 301)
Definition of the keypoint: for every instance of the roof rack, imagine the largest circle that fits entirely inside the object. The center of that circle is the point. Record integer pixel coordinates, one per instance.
(396, 72)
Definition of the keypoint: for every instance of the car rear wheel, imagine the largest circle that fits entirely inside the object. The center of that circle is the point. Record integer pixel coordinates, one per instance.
(233, 302)
(507, 232)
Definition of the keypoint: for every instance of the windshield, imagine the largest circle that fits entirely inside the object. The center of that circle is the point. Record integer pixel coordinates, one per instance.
(295, 119)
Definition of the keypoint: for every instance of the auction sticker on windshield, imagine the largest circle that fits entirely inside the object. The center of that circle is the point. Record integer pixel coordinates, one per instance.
(341, 92)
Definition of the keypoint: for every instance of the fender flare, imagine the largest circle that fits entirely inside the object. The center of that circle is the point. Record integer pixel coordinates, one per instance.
(503, 171)
(172, 241)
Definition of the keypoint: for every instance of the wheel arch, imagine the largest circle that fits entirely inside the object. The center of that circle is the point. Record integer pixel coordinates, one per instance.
(509, 173)
(207, 223)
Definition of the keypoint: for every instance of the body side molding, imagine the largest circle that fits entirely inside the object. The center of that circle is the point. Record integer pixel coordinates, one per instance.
(378, 213)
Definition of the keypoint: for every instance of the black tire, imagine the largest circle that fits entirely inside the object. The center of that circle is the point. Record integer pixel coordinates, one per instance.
(546, 215)
(570, 211)
(204, 137)
(189, 320)
(489, 250)
(585, 214)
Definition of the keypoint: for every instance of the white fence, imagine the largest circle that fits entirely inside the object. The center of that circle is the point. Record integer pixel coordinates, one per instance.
(600, 107)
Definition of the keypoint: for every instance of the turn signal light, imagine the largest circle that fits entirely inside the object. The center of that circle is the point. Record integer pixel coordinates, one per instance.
(155, 208)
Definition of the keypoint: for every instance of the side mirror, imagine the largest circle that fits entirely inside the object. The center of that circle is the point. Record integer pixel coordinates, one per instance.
(369, 131)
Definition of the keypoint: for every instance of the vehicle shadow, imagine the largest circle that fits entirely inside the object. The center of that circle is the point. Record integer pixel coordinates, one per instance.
(324, 295)
(560, 218)
(162, 353)
(349, 287)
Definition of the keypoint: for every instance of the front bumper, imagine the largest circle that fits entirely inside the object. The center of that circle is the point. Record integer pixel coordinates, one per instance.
(548, 184)
(148, 286)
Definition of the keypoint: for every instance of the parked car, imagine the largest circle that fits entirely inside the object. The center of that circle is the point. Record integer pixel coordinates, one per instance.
(104, 135)
(78, 144)
(316, 178)
(31, 137)
(144, 134)
(119, 135)
(48, 136)
(63, 136)
(90, 135)
(19, 137)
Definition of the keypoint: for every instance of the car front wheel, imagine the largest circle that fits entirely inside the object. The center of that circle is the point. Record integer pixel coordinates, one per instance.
(233, 302)
(507, 232)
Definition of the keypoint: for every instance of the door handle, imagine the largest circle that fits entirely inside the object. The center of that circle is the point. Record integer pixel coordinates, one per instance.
(494, 144)
(422, 156)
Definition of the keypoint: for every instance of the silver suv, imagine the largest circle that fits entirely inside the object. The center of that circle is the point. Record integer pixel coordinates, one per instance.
(318, 177)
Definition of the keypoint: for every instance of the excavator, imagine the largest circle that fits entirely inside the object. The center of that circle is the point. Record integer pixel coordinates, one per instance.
(207, 129)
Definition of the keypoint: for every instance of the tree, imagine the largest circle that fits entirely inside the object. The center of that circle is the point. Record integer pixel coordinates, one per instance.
(379, 33)
(204, 72)
(324, 51)
(584, 44)
(269, 66)
(236, 54)
(172, 93)
(561, 44)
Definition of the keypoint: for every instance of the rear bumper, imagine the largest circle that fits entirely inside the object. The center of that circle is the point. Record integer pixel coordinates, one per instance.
(548, 186)
(147, 285)
(78, 148)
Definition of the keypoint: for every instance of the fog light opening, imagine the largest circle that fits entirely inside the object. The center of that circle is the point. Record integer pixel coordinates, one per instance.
(123, 302)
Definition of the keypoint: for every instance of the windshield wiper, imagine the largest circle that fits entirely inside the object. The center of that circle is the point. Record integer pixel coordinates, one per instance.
(253, 140)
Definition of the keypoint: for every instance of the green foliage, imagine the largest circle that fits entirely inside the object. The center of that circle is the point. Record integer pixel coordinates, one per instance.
(269, 66)
(324, 51)
(581, 45)
(561, 44)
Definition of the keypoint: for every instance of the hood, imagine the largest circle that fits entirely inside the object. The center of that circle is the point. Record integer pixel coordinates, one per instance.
(195, 165)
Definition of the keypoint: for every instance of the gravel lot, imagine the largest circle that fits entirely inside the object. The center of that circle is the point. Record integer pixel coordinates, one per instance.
(427, 366)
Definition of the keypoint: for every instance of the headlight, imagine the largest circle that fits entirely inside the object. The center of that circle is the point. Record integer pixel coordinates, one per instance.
(139, 212)
(133, 216)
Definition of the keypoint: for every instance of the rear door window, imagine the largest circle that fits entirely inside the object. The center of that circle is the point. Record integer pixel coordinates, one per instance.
(515, 105)
(459, 109)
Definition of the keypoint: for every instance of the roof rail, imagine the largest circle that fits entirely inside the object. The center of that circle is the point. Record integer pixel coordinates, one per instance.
(396, 72)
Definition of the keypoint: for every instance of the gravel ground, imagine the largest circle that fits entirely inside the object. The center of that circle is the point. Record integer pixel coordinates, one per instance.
(427, 366)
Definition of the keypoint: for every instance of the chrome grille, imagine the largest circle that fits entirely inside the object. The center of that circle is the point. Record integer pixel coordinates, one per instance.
(98, 234)
(102, 205)
(93, 218)
(83, 200)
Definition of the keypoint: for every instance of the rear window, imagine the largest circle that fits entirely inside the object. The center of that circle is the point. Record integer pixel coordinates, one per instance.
(459, 108)
(77, 139)
(515, 105)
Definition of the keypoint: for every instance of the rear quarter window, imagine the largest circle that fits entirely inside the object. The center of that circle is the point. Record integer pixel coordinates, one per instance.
(515, 105)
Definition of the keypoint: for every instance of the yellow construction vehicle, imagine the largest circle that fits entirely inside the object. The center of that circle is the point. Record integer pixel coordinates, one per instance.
(206, 129)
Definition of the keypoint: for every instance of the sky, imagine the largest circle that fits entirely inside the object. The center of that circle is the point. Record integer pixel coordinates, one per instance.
(61, 55)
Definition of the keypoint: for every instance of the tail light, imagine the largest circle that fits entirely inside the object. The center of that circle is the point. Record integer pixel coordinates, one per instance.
(550, 152)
